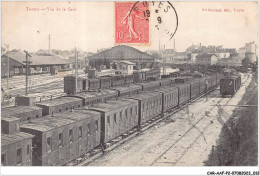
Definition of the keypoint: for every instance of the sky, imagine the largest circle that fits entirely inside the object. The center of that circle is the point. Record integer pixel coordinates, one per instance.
(92, 25)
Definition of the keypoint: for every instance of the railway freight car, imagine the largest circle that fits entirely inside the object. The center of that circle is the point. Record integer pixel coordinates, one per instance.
(64, 137)
(128, 90)
(230, 85)
(105, 82)
(194, 88)
(70, 84)
(93, 84)
(89, 98)
(117, 80)
(183, 79)
(16, 146)
(184, 93)
(129, 79)
(149, 105)
(58, 105)
(148, 86)
(24, 113)
(165, 82)
(169, 97)
(117, 117)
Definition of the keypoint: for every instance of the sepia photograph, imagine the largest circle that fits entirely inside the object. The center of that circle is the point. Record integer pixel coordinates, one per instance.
(154, 84)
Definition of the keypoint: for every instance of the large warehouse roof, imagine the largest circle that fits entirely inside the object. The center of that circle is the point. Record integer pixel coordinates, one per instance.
(122, 52)
(37, 60)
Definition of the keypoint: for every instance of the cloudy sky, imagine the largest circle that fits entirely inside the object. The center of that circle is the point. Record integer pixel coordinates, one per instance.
(92, 25)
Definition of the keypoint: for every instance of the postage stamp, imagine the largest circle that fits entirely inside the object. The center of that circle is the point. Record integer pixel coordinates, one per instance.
(132, 22)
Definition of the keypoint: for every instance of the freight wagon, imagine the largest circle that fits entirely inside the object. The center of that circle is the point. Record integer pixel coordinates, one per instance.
(70, 84)
(129, 79)
(117, 117)
(128, 90)
(64, 137)
(117, 80)
(169, 98)
(15, 145)
(165, 82)
(148, 86)
(230, 85)
(105, 82)
(93, 84)
(149, 105)
(58, 105)
(16, 149)
(184, 93)
(24, 113)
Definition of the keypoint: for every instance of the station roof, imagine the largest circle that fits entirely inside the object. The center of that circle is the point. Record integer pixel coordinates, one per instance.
(58, 101)
(7, 139)
(15, 110)
(111, 105)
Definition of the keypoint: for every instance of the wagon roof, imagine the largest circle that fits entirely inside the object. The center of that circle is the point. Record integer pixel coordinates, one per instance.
(146, 95)
(9, 118)
(12, 138)
(15, 110)
(148, 83)
(128, 88)
(58, 101)
(167, 89)
(110, 105)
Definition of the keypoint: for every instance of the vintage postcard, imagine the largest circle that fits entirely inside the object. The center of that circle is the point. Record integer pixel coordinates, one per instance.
(130, 83)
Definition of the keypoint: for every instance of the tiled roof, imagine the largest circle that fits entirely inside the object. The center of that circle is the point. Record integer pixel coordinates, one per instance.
(12, 138)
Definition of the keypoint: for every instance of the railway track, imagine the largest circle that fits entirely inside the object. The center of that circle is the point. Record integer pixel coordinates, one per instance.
(92, 156)
(195, 126)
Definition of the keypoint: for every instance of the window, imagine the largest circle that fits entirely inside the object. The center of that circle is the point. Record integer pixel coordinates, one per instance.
(108, 120)
(96, 124)
(28, 149)
(114, 118)
(19, 156)
(48, 141)
(78, 105)
(37, 116)
(3, 159)
(80, 131)
(59, 110)
(67, 108)
(28, 118)
(88, 129)
(121, 116)
(61, 139)
(71, 135)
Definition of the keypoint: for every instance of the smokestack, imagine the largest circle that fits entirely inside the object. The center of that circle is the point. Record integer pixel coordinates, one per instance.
(49, 43)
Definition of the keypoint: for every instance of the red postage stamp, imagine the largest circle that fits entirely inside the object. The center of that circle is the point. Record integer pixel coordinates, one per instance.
(132, 22)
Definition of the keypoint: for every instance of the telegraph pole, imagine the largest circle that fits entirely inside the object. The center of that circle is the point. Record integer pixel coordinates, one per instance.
(27, 62)
(76, 70)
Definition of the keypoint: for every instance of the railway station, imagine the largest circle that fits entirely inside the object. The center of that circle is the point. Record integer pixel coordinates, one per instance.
(95, 98)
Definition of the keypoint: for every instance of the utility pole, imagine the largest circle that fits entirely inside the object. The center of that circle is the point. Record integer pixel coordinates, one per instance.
(8, 73)
(27, 62)
(76, 70)
(49, 43)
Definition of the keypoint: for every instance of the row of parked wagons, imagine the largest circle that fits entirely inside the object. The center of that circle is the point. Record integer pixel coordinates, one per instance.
(76, 124)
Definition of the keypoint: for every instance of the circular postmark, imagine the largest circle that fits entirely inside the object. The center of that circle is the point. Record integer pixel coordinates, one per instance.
(164, 14)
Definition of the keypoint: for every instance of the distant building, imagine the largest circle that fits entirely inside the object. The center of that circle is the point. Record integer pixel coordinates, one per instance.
(206, 59)
(39, 64)
(126, 67)
(43, 52)
(171, 56)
